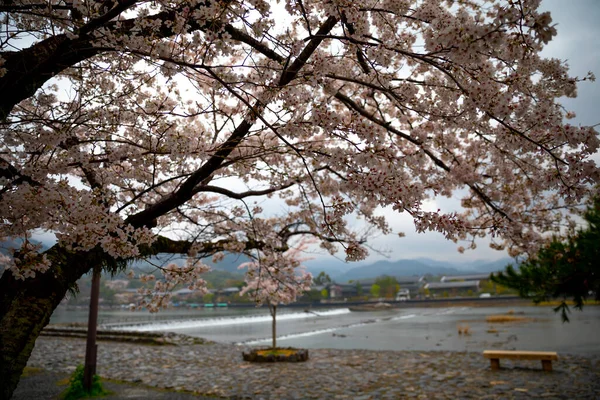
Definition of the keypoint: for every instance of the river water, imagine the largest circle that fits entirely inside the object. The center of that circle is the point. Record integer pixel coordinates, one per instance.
(396, 329)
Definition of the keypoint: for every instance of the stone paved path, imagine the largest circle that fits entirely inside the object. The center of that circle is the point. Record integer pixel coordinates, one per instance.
(218, 370)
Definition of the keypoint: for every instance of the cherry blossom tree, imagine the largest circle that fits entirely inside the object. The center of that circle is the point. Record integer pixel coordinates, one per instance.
(276, 278)
(130, 128)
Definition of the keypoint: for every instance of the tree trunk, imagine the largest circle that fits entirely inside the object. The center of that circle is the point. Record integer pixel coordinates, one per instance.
(26, 307)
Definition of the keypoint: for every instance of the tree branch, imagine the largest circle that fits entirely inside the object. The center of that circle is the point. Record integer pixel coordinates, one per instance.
(205, 249)
(242, 195)
(291, 71)
(189, 186)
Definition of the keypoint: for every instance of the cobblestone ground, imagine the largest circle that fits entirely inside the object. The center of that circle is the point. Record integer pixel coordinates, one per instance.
(218, 370)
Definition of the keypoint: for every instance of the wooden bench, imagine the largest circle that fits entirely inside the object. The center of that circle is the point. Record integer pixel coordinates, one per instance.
(545, 356)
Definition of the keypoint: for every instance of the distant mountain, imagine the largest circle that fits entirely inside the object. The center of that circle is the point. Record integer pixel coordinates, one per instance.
(479, 266)
(229, 263)
(421, 266)
(498, 265)
(396, 268)
(436, 263)
(333, 267)
(341, 271)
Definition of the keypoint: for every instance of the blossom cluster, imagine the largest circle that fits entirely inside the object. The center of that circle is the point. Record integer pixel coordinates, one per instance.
(173, 276)
(26, 261)
(276, 277)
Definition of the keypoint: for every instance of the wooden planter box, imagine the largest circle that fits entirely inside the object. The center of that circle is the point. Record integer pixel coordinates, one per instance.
(278, 355)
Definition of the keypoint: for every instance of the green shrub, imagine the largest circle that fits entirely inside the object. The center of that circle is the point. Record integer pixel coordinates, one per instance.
(77, 391)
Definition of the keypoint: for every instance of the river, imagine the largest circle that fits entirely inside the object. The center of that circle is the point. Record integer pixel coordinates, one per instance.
(396, 329)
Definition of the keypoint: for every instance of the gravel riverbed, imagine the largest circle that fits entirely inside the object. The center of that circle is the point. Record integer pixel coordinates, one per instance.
(217, 370)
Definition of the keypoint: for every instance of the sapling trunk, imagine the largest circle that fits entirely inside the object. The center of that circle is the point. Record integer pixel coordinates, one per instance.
(273, 309)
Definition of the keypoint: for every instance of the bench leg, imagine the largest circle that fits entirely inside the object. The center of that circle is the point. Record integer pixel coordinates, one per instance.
(496, 363)
(547, 365)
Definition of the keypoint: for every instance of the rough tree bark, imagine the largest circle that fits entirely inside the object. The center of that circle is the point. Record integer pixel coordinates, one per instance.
(26, 307)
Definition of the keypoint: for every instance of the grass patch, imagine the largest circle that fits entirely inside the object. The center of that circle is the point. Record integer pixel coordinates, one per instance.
(276, 352)
(555, 303)
(506, 318)
(28, 371)
(76, 389)
(63, 382)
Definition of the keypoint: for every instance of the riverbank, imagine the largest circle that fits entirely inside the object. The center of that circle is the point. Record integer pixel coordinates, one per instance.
(218, 370)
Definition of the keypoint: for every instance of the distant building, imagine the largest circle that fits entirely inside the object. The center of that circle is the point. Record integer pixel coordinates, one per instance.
(229, 290)
(411, 283)
(344, 290)
(351, 290)
(184, 294)
(403, 295)
(458, 278)
(126, 298)
(452, 288)
(116, 283)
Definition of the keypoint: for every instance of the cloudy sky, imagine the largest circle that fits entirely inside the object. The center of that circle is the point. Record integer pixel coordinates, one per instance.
(578, 42)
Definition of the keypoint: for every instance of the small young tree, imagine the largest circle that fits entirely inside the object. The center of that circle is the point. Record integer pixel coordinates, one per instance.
(387, 285)
(563, 269)
(324, 294)
(359, 289)
(276, 278)
(375, 290)
(208, 298)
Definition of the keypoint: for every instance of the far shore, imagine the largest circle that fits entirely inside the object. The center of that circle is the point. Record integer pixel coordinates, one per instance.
(497, 301)
(494, 301)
